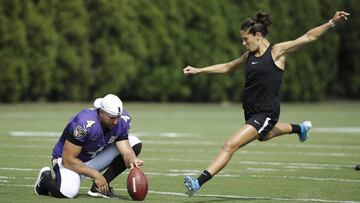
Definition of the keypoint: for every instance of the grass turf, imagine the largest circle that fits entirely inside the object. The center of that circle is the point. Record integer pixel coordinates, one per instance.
(182, 139)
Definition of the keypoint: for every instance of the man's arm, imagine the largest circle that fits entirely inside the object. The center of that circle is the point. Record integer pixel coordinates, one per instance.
(218, 68)
(70, 161)
(128, 154)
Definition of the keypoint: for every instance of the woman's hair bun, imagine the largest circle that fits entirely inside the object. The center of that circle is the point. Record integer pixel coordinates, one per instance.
(263, 18)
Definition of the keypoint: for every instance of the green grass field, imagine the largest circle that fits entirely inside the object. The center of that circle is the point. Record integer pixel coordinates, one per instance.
(182, 139)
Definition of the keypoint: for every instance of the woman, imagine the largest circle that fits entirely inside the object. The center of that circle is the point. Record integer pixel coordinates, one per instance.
(265, 64)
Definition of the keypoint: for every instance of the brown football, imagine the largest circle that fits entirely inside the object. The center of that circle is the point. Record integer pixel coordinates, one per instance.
(137, 184)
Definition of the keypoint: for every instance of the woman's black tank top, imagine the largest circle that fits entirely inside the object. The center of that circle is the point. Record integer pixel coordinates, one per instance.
(262, 85)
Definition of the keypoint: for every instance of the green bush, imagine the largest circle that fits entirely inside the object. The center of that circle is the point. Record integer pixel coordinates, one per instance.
(59, 50)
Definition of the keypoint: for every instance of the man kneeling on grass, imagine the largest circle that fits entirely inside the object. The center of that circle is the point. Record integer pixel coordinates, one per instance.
(93, 140)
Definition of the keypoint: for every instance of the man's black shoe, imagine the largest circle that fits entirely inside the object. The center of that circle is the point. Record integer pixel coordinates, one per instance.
(94, 192)
(39, 186)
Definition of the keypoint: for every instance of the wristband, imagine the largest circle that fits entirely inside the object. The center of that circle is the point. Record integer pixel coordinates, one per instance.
(332, 23)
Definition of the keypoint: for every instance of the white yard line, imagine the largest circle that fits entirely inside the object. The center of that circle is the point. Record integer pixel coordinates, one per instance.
(234, 197)
(34, 134)
(349, 130)
(287, 164)
(57, 134)
(253, 152)
(18, 169)
(202, 143)
(345, 130)
(181, 173)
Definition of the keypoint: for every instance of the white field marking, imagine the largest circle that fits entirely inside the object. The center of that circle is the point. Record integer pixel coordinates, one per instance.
(181, 173)
(327, 154)
(18, 169)
(262, 144)
(164, 134)
(350, 130)
(275, 198)
(301, 178)
(177, 172)
(312, 167)
(24, 146)
(34, 134)
(184, 172)
(298, 165)
(176, 134)
(321, 179)
(319, 154)
(262, 169)
(347, 130)
(148, 142)
(304, 145)
(225, 174)
(222, 174)
(5, 179)
(26, 155)
(138, 134)
(259, 176)
(173, 150)
(235, 197)
(278, 153)
(284, 165)
(328, 166)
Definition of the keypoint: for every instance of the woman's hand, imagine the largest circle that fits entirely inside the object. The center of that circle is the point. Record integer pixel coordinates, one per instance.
(339, 15)
(189, 70)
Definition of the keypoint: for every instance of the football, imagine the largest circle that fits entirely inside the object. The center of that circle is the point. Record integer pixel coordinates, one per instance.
(137, 184)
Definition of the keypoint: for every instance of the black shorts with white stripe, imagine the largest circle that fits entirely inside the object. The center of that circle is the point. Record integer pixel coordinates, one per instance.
(262, 122)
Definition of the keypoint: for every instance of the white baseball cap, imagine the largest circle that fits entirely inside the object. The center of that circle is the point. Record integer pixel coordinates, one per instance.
(110, 103)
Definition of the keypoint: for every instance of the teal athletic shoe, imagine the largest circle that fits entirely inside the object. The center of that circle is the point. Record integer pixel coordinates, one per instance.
(305, 127)
(192, 185)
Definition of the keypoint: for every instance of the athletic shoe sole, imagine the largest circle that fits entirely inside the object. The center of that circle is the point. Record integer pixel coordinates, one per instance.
(39, 178)
(305, 124)
(100, 195)
(96, 194)
(188, 185)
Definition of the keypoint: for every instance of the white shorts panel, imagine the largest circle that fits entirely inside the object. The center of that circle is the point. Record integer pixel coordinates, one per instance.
(70, 181)
(133, 140)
